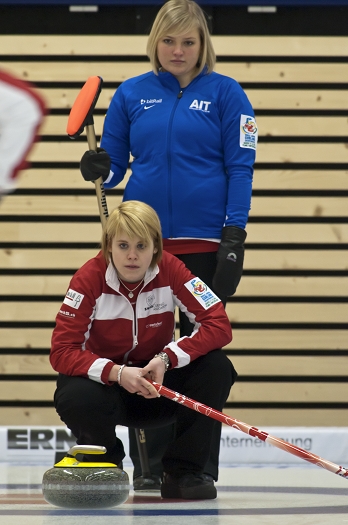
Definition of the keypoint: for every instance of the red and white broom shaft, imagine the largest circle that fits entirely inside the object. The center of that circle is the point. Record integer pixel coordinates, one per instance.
(251, 431)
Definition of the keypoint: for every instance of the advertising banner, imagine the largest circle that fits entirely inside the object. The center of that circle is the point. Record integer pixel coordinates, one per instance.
(21, 444)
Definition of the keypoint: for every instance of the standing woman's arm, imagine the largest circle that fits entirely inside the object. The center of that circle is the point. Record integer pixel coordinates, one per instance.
(239, 136)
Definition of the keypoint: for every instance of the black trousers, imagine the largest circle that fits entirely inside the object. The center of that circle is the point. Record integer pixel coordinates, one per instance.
(203, 265)
(92, 411)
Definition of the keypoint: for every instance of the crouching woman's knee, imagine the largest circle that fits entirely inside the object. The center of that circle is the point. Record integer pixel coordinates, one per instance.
(79, 397)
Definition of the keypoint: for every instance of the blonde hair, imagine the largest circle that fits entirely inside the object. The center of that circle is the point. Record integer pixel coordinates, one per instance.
(135, 219)
(177, 17)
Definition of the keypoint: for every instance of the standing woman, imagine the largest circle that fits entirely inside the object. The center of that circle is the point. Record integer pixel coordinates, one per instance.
(192, 135)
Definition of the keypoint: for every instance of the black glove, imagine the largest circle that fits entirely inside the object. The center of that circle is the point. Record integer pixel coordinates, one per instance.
(95, 164)
(230, 257)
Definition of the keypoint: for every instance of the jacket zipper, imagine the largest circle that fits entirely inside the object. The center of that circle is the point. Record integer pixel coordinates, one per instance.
(135, 326)
(170, 207)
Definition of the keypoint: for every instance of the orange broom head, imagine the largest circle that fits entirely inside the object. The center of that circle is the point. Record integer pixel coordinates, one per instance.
(81, 113)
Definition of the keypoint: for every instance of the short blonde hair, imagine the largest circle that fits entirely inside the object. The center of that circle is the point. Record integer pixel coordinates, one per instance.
(177, 17)
(135, 219)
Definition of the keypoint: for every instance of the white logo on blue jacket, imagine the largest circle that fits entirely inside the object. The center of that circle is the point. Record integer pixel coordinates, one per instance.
(150, 101)
(201, 105)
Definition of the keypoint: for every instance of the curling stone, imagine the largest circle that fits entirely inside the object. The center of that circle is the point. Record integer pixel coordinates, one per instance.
(84, 485)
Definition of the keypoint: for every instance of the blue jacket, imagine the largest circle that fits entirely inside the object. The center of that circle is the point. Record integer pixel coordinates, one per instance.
(193, 150)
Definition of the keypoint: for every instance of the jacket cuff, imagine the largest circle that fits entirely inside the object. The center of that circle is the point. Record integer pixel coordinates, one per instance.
(105, 374)
(172, 357)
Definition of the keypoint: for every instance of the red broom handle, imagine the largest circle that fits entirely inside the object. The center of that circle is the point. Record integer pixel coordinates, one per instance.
(251, 431)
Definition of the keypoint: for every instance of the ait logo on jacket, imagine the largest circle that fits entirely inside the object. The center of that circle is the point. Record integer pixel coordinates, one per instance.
(200, 105)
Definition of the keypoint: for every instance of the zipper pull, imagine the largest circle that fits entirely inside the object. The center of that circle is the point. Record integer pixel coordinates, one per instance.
(180, 94)
(135, 340)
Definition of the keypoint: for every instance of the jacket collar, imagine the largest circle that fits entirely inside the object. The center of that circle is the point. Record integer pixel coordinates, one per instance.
(113, 281)
(169, 80)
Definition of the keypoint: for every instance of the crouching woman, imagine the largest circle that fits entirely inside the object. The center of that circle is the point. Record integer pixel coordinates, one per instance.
(115, 330)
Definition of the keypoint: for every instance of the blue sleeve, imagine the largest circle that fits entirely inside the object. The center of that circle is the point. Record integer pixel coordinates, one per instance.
(239, 136)
(115, 138)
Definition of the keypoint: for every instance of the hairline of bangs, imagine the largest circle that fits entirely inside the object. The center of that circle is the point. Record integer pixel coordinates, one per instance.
(146, 237)
(181, 28)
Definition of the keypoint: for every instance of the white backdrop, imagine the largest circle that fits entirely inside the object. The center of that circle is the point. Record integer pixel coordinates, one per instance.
(39, 445)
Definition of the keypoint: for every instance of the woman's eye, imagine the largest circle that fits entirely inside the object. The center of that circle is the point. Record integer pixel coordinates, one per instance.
(189, 43)
(141, 246)
(167, 41)
(123, 245)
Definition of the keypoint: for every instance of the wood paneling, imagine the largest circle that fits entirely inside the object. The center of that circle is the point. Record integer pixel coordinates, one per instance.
(297, 99)
(238, 312)
(250, 286)
(305, 259)
(52, 259)
(256, 365)
(310, 126)
(289, 417)
(268, 179)
(66, 205)
(276, 312)
(24, 285)
(293, 367)
(287, 392)
(281, 99)
(29, 416)
(289, 339)
(281, 321)
(254, 260)
(49, 178)
(27, 390)
(66, 71)
(29, 311)
(257, 233)
(241, 392)
(25, 338)
(292, 286)
(243, 339)
(291, 179)
(286, 153)
(25, 365)
(33, 416)
(227, 45)
(87, 205)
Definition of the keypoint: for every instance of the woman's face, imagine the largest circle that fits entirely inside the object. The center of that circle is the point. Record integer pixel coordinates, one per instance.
(179, 54)
(131, 257)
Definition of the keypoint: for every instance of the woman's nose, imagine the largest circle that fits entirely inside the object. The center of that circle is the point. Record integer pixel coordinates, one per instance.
(178, 50)
(132, 254)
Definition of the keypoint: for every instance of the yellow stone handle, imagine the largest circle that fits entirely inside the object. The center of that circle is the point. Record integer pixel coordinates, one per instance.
(86, 449)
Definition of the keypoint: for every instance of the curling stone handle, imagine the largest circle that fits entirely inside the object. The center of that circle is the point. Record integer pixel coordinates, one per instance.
(86, 449)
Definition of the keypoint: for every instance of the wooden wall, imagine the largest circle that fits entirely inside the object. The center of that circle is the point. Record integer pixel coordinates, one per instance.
(290, 312)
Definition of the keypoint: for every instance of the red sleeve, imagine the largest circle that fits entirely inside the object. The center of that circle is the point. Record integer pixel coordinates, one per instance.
(73, 324)
(212, 329)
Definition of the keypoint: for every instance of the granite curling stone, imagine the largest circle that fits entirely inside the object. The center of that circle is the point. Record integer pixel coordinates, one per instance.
(80, 485)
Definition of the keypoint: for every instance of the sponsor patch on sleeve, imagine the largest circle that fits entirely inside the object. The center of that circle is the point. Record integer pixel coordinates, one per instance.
(73, 298)
(248, 132)
(204, 295)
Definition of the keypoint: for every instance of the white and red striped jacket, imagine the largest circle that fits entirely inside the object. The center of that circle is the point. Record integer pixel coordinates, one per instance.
(97, 326)
(22, 110)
